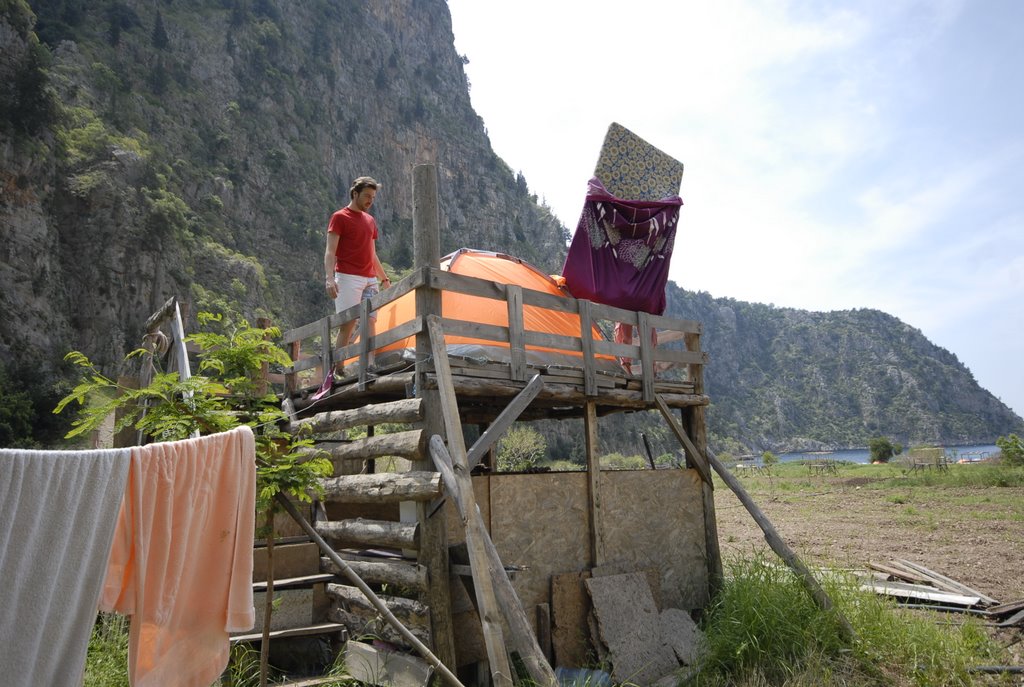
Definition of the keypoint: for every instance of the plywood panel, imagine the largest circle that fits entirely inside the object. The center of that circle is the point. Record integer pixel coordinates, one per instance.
(655, 519)
(540, 521)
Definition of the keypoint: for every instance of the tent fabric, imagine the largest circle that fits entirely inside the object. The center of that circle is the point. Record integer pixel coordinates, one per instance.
(621, 250)
(504, 269)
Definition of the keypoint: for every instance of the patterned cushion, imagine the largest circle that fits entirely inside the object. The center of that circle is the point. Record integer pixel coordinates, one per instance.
(631, 168)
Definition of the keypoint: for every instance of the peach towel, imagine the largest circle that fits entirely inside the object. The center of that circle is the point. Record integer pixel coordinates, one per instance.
(181, 563)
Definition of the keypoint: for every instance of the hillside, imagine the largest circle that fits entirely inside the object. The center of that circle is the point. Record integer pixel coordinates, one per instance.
(198, 148)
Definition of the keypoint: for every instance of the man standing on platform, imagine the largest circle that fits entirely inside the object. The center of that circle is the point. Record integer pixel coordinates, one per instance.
(350, 260)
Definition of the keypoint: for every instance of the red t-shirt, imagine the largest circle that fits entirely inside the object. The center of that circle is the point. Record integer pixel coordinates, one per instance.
(356, 233)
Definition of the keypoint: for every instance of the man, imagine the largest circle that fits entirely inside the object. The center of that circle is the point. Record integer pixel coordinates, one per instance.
(350, 260)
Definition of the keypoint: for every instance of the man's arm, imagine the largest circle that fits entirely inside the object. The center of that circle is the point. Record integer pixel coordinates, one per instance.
(329, 253)
(379, 268)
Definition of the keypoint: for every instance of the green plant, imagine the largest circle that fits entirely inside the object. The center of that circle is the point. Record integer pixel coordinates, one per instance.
(232, 392)
(520, 449)
(106, 663)
(1012, 448)
(763, 629)
(768, 459)
(882, 450)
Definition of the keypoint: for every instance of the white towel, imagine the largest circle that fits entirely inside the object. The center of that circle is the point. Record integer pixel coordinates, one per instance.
(58, 510)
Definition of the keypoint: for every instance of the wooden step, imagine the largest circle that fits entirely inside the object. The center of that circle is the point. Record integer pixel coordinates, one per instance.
(409, 612)
(390, 487)
(397, 573)
(405, 411)
(303, 581)
(375, 626)
(371, 533)
(313, 629)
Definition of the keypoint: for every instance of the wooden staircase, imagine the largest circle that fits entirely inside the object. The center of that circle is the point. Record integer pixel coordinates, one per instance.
(359, 515)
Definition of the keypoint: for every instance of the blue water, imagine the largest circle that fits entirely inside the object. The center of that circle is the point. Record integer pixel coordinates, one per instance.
(862, 455)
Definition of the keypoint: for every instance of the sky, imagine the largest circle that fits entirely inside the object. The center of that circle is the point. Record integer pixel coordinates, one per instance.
(837, 155)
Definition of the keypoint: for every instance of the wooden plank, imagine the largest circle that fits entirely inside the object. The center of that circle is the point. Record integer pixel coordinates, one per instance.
(365, 328)
(516, 346)
(464, 284)
(557, 341)
(317, 629)
(898, 571)
(402, 331)
(947, 583)
(587, 348)
(326, 347)
(906, 591)
(476, 330)
(303, 581)
(487, 603)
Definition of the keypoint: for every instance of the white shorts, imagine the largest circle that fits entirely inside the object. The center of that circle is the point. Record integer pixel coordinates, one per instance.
(353, 288)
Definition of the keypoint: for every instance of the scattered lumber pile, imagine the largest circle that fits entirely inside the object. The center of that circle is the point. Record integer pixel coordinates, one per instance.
(916, 586)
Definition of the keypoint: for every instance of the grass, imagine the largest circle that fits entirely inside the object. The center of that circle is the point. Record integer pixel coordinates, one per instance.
(763, 629)
(794, 476)
(106, 664)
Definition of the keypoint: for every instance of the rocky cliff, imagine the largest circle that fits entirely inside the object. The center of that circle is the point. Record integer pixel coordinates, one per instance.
(197, 148)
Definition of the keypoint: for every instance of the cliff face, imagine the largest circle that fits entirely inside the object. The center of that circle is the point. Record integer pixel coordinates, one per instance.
(197, 149)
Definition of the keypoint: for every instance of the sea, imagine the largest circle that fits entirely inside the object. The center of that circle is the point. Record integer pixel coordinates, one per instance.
(972, 453)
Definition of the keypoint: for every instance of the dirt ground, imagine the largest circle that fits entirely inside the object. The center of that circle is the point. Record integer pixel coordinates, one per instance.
(973, 535)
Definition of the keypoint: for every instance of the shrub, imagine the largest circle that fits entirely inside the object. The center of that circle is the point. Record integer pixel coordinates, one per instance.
(1012, 448)
(520, 449)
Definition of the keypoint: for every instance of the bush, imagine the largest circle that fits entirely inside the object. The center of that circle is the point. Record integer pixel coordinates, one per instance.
(882, 450)
(520, 449)
(1012, 448)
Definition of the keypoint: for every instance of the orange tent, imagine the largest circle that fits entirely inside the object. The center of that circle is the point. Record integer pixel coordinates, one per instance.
(503, 269)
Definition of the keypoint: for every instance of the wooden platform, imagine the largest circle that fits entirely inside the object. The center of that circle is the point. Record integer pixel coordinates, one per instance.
(484, 387)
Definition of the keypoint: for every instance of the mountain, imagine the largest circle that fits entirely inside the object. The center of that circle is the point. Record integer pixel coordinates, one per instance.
(197, 148)
(782, 379)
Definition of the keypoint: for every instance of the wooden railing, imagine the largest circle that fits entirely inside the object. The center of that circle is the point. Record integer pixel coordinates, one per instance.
(515, 336)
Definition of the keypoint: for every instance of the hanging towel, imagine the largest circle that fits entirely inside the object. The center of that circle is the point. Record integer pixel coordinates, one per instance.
(57, 516)
(181, 563)
(621, 250)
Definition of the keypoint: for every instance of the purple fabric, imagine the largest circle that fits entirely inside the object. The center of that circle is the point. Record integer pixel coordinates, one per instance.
(621, 250)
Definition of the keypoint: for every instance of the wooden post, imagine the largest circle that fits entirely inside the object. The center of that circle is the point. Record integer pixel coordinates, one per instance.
(587, 349)
(516, 347)
(696, 422)
(643, 329)
(486, 601)
(593, 484)
(433, 552)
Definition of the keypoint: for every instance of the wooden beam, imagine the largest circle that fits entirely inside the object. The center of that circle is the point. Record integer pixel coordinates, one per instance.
(517, 349)
(521, 634)
(487, 603)
(405, 411)
(372, 533)
(593, 484)
(386, 487)
(696, 456)
(433, 553)
(587, 348)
